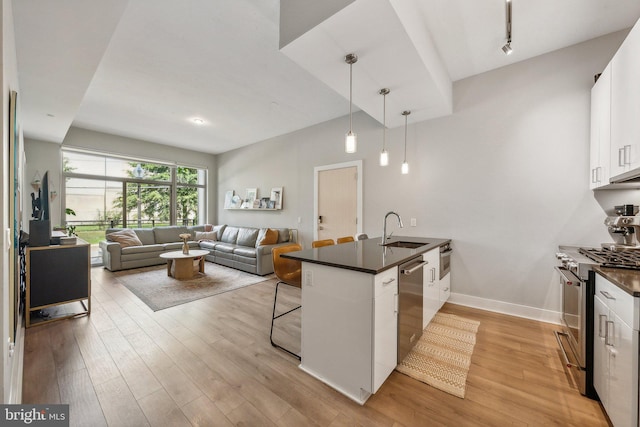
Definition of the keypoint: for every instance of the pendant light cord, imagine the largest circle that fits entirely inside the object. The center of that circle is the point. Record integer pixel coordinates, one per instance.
(405, 137)
(384, 121)
(350, 96)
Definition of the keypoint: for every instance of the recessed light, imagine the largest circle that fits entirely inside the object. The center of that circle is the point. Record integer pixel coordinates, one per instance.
(198, 121)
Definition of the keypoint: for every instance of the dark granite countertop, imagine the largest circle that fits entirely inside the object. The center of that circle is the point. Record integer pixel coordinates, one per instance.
(624, 278)
(367, 256)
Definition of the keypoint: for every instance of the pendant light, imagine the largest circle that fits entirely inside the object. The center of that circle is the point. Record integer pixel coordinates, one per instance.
(405, 165)
(350, 140)
(507, 47)
(384, 155)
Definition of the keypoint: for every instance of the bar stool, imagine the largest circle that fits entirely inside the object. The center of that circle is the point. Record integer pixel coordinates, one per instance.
(288, 272)
(321, 243)
(346, 239)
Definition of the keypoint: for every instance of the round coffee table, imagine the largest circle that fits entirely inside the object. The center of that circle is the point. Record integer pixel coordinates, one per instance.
(180, 266)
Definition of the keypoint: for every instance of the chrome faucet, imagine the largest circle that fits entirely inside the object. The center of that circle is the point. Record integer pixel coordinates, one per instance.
(384, 227)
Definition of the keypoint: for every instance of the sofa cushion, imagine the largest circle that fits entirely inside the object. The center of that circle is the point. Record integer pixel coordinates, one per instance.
(208, 227)
(225, 248)
(211, 236)
(247, 237)
(142, 249)
(270, 237)
(174, 246)
(245, 252)
(205, 244)
(219, 229)
(283, 234)
(145, 235)
(125, 238)
(169, 234)
(229, 235)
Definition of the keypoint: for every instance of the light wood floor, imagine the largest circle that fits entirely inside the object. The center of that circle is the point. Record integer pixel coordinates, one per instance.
(210, 363)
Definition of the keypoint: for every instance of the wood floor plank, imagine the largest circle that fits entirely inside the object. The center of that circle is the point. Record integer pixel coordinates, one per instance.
(209, 362)
(77, 390)
(161, 410)
(119, 405)
(202, 412)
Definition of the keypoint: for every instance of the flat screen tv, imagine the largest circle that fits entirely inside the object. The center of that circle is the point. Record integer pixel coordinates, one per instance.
(44, 197)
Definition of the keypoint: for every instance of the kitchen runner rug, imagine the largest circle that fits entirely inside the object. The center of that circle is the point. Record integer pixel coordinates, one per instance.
(442, 356)
(159, 291)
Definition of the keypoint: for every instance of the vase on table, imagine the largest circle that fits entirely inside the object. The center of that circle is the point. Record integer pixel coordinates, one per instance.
(185, 245)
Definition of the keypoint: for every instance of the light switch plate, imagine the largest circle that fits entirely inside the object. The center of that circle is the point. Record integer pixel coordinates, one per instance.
(413, 222)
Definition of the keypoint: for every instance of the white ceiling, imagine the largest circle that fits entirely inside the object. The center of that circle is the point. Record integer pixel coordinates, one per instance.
(144, 68)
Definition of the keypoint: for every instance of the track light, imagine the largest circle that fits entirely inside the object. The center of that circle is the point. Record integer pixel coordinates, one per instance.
(351, 139)
(405, 165)
(384, 155)
(507, 47)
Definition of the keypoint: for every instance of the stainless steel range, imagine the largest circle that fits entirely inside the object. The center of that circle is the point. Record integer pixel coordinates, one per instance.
(578, 287)
(576, 336)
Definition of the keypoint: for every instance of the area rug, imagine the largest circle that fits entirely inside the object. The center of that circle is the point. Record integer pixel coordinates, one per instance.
(159, 291)
(442, 356)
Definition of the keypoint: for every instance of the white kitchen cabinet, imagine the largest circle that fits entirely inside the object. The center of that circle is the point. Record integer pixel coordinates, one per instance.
(600, 166)
(625, 105)
(615, 368)
(385, 331)
(349, 328)
(430, 286)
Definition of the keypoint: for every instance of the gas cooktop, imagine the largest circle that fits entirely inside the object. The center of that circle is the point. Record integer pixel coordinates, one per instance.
(629, 258)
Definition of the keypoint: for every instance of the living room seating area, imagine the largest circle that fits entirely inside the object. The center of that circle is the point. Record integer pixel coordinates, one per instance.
(244, 248)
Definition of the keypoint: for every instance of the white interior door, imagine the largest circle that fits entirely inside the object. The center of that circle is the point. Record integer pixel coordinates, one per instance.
(337, 202)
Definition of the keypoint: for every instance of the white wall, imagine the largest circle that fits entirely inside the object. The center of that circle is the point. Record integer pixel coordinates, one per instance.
(505, 176)
(43, 156)
(11, 366)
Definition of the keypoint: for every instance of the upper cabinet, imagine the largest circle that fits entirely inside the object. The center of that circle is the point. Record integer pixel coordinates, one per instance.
(600, 130)
(615, 113)
(625, 105)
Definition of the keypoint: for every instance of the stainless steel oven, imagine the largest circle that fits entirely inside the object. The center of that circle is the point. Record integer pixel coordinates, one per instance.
(575, 338)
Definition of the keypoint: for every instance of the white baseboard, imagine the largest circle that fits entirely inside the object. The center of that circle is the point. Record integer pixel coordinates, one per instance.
(17, 366)
(518, 310)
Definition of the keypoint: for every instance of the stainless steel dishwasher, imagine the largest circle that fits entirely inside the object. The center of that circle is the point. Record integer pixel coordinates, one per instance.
(410, 305)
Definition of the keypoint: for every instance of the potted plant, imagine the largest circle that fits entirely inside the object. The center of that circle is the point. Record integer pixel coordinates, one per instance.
(71, 229)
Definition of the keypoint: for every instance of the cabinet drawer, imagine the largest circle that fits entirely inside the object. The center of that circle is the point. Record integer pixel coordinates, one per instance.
(615, 299)
(445, 288)
(386, 281)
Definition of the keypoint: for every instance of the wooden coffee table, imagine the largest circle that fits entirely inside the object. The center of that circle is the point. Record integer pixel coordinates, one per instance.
(181, 265)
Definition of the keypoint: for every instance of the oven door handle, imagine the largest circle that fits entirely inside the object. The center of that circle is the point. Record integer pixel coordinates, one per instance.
(562, 350)
(567, 277)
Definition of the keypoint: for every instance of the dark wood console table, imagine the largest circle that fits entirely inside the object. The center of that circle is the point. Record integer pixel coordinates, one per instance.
(58, 281)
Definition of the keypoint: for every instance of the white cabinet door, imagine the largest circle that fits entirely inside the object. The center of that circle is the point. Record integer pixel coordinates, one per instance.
(430, 286)
(625, 105)
(600, 353)
(615, 352)
(622, 402)
(600, 130)
(385, 339)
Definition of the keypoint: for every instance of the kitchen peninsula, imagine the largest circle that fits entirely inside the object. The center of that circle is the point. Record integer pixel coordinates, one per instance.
(350, 309)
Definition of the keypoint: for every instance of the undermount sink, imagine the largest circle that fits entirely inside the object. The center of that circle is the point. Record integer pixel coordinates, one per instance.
(410, 245)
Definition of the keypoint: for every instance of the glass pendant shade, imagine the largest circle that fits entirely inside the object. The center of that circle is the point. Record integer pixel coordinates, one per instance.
(384, 158)
(350, 142)
(405, 165)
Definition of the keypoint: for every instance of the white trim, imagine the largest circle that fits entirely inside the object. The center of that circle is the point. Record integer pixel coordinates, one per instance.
(16, 362)
(518, 310)
(316, 170)
(127, 157)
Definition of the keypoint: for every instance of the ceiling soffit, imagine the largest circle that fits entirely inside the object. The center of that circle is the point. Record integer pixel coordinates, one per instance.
(394, 50)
